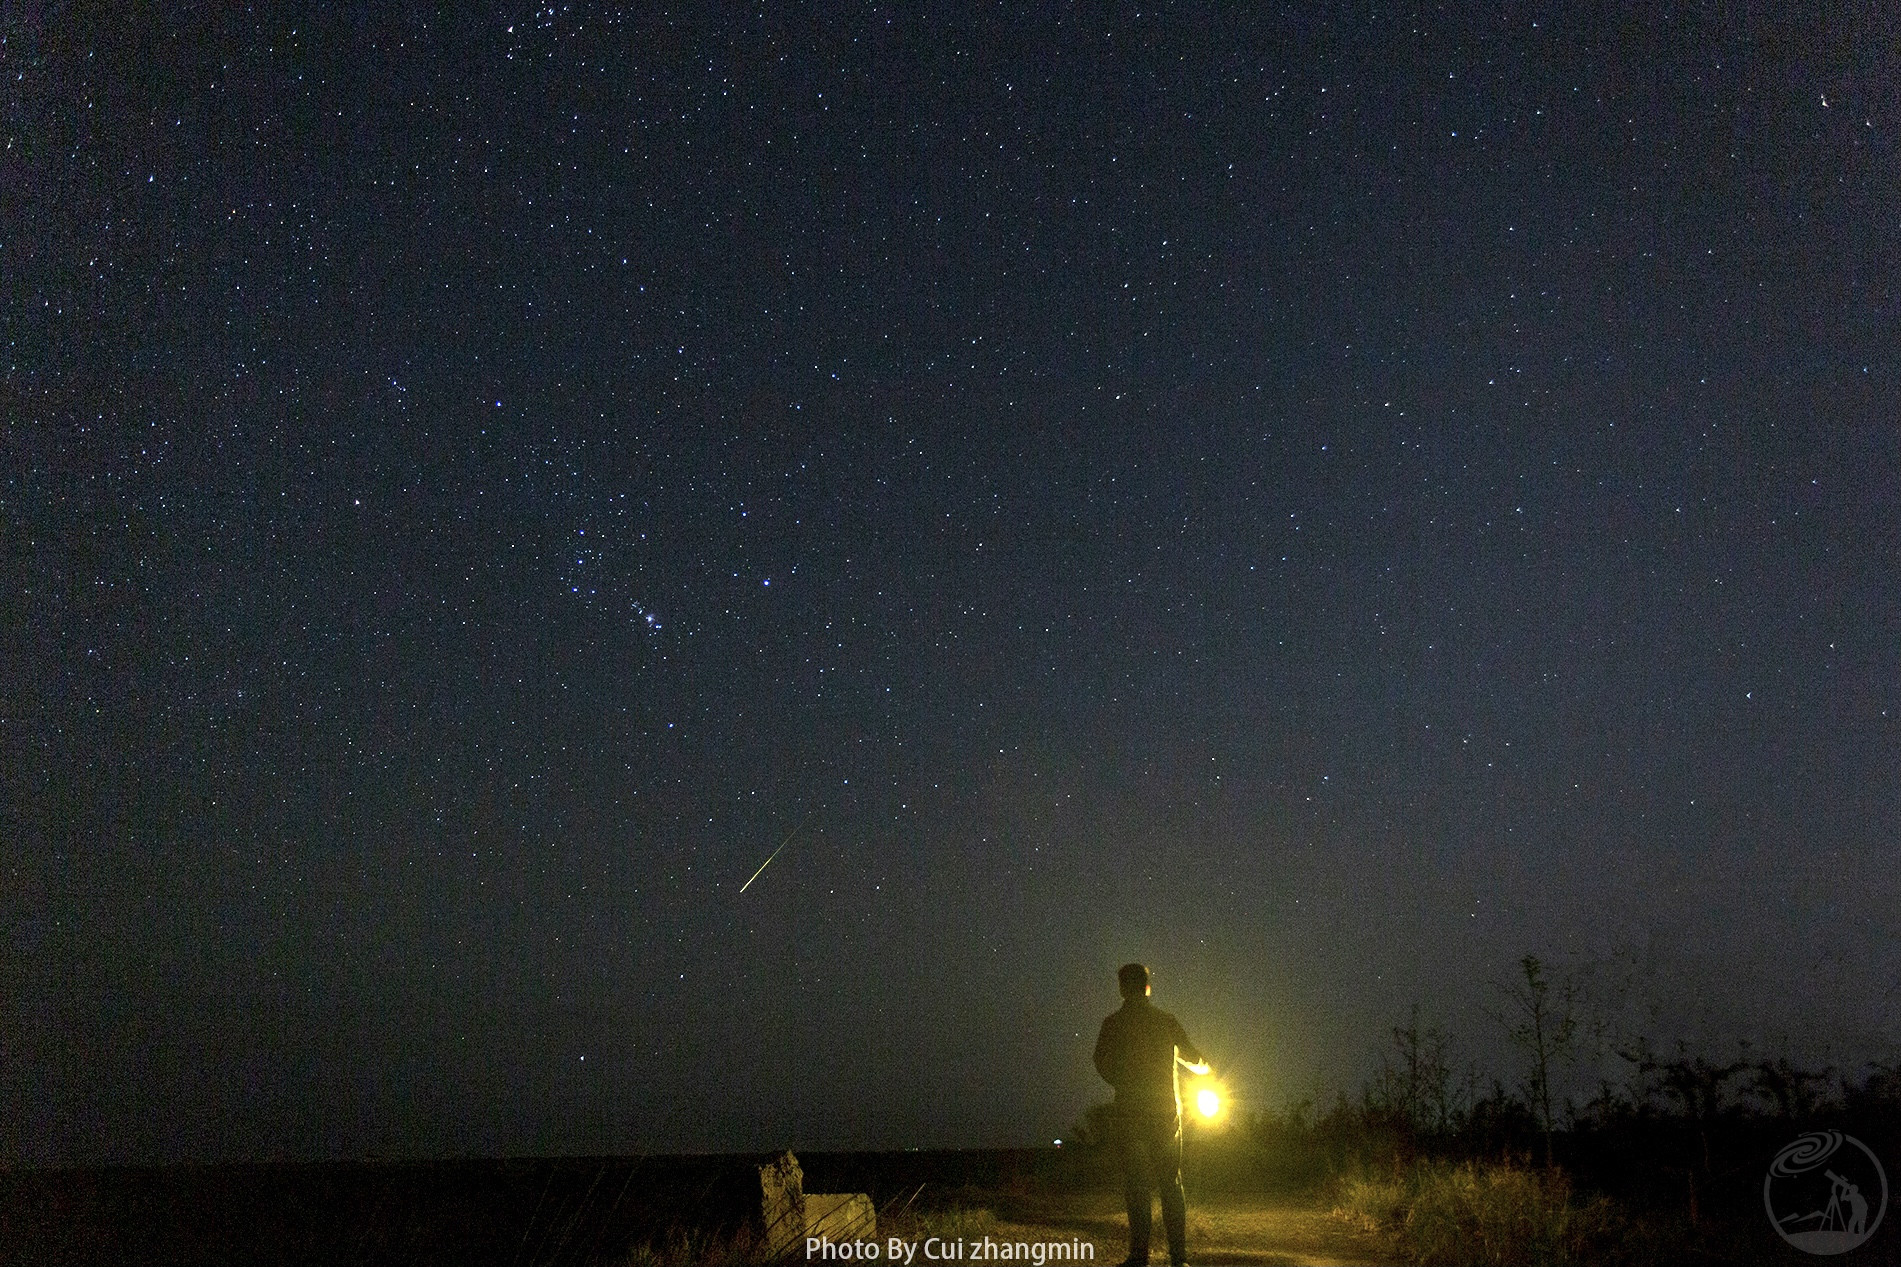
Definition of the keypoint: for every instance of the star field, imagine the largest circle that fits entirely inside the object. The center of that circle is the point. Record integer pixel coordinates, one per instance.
(1323, 504)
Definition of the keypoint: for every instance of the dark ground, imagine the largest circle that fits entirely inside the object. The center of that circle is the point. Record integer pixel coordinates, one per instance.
(532, 1212)
(579, 1212)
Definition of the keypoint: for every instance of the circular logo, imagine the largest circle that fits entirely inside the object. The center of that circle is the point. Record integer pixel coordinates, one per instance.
(1825, 1193)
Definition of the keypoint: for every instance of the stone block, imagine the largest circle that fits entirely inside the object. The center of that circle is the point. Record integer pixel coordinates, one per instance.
(840, 1216)
(788, 1214)
(782, 1205)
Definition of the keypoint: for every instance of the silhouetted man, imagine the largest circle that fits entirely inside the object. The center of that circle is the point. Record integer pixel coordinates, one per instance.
(1136, 1054)
(1856, 1220)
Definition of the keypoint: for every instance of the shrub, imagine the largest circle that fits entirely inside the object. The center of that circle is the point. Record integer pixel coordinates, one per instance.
(1439, 1214)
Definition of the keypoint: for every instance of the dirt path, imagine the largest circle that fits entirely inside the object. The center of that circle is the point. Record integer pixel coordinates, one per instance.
(1220, 1230)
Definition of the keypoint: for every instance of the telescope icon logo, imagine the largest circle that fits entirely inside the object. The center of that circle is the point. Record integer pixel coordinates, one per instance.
(1825, 1193)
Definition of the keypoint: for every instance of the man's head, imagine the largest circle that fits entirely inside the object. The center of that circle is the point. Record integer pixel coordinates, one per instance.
(1133, 978)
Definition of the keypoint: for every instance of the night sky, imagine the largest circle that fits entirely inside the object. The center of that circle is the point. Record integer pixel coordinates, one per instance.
(1322, 505)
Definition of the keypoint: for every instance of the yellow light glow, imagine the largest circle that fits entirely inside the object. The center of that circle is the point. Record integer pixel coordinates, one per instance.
(1208, 1100)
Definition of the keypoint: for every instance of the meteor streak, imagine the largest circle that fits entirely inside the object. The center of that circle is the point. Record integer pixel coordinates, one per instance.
(774, 854)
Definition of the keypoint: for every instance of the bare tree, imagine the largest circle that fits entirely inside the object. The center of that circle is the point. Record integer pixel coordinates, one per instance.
(1791, 1091)
(1699, 1087)
(1419, 1089)
(1542, 1023)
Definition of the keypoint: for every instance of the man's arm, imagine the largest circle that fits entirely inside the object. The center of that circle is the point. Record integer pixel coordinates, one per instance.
(1107, 1058)
(1186, 1051)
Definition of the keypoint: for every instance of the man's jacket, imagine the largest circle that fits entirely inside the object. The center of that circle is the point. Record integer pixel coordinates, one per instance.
(1135, 1054)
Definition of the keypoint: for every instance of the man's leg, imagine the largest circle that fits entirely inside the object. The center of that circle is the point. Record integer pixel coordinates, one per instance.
(1165, 1163)
(1132, 1140)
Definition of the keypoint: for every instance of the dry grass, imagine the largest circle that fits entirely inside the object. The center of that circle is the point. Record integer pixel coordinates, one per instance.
(1440, 1214)
(685, 1247)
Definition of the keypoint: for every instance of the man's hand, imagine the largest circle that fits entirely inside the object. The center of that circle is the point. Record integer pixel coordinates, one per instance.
(1197, 1067)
